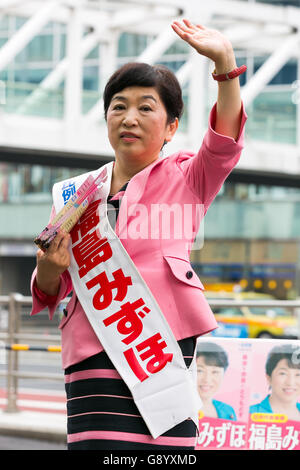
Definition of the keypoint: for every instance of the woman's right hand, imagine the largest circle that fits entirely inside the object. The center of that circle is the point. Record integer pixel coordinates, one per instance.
(52, 263)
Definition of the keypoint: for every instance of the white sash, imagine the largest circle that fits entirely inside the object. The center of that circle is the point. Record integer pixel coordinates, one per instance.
(127, 319)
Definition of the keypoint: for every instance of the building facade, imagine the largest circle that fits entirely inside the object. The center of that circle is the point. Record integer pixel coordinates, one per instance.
(42, 142)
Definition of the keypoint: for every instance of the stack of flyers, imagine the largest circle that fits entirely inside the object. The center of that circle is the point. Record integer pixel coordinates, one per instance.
(69, 215)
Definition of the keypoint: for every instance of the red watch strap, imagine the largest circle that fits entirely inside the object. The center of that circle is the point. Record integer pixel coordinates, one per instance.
(230, 75)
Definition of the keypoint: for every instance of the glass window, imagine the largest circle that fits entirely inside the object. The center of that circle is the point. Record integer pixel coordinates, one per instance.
(94, 54)
(32, 75)
(254, 192)
(294, 3)
(90, 78)
(19, 183)
(4, 75)
(131, 45)
(4, 23)
(2, 41)
(241, 61)
(174, 64)
(91, 94)
(178, 47)
(286, 75)
(63, 47)
(40, 48)
(19, 21)
(272, 116)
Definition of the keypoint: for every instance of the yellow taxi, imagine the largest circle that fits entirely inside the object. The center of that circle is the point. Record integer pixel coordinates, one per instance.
(252, 322)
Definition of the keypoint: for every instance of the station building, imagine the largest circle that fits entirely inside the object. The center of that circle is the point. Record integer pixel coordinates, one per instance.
(54, 62)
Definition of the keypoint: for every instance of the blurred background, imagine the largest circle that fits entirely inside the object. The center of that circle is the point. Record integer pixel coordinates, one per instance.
(55, 58)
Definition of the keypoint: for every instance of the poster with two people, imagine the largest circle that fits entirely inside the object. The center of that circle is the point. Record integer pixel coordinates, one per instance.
(250, 389)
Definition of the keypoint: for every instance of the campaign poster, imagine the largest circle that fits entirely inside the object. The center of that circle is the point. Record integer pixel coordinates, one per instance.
(250, 391)
(274, 408)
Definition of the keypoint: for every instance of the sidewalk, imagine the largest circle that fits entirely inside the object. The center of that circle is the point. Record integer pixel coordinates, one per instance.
(40, 416)
(33, 424)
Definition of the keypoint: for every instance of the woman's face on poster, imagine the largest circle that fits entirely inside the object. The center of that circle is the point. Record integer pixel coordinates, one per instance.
(209, 378)
(285, 382)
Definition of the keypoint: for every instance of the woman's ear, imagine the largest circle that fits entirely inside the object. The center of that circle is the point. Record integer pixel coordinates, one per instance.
(171, 129)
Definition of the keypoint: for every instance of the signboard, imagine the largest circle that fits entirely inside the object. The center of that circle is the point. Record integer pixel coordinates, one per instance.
(250, 389)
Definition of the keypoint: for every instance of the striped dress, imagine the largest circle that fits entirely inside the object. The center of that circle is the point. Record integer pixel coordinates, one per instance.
(102, 414)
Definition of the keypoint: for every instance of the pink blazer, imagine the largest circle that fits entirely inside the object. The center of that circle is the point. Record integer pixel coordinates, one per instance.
(182, 179)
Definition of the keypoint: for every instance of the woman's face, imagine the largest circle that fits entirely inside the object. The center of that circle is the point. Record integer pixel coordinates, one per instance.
(137, 124)
(209, 378)
(285, 382)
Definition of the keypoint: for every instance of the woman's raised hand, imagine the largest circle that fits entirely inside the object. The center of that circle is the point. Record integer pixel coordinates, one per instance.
(52, 263)
(208, 42)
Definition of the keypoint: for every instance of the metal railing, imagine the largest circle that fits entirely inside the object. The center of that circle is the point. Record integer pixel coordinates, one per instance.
(13, 338)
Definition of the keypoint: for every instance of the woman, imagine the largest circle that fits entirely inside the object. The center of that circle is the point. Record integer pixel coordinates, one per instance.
(142, 107)
(212, 363)
(283, 377)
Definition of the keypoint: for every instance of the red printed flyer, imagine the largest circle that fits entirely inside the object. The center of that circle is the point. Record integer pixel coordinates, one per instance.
(250, 390)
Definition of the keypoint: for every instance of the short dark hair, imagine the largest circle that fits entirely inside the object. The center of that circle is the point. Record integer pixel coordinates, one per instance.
(213, 354)
(290, 352)
(144, 75)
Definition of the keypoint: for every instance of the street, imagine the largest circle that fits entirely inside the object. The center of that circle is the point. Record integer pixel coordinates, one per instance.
(42, 384)
(22, 443)
(41, 395)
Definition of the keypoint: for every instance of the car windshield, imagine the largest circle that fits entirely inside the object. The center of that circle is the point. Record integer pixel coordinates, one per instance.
(228, 311)
(271, 311)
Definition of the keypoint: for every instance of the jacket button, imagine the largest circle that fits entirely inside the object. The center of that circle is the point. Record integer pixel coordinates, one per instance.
(65, 312)
(189, 274)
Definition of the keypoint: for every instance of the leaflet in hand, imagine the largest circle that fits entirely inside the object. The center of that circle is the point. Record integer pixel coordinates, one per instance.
(69, 215)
